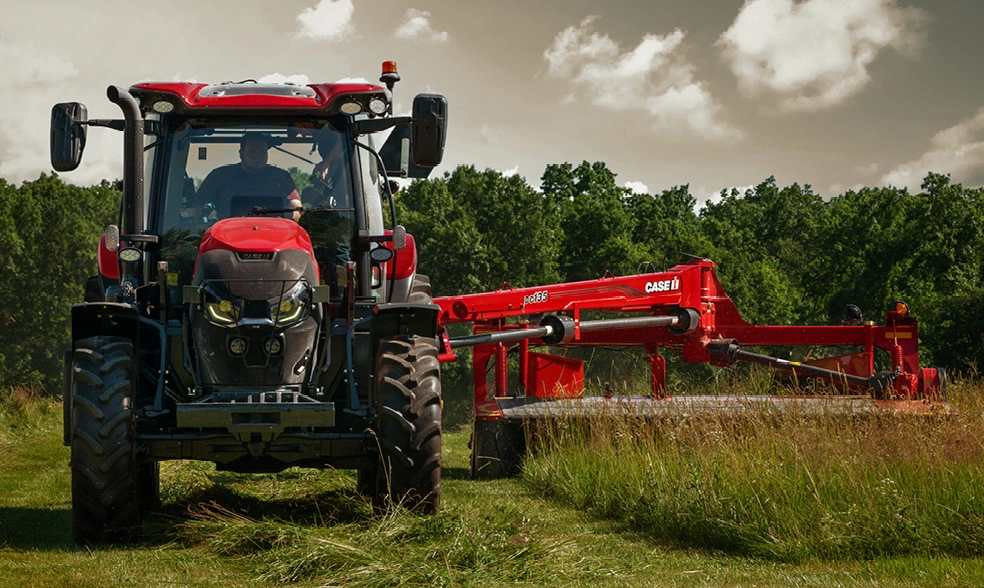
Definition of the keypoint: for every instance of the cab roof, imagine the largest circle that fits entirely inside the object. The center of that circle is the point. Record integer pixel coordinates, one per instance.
(189, 98)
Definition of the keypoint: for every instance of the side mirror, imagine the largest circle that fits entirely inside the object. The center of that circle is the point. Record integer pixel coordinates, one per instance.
(67, 135)
(429, 129)
(395, 154)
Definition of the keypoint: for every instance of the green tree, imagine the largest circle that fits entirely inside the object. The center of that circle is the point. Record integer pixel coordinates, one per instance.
(667, 224)
(596, 221)
(48, 232)
(769, 233)
(301, 178)
(475, 230)
(943, 279)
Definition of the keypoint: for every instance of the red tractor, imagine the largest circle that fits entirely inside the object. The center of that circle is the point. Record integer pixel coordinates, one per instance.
(218, 330)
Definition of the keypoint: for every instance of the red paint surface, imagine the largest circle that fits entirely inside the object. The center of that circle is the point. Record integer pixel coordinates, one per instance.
(188, 93)
(256, 234)
(109, 267)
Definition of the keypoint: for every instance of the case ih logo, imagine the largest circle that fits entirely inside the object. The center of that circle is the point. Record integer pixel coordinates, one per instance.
(663, 286)
(255, 255)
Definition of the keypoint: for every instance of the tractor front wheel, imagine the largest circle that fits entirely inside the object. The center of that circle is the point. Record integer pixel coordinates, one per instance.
(408, 402)
(105, 476)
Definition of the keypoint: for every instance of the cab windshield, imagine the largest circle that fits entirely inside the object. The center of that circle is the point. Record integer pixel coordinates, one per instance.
(208, 173)
(219, 172)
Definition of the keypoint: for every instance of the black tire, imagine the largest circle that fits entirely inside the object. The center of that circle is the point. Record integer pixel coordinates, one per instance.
(93, 290)
(105, 505)
(149, 485)
(420, 290)
(408, 402)
(497, 448)
(366, 482)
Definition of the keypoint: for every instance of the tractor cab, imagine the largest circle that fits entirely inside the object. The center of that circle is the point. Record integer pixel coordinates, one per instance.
(198, 177)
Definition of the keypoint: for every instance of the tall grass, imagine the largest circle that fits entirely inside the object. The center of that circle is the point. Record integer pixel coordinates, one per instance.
(788, 487)
(309, 527)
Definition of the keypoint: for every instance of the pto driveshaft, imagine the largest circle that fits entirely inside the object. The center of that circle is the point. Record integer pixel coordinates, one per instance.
(727, 351)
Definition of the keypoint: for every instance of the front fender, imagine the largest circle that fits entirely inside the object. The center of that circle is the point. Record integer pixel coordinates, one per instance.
(108, 319)
(404, 318)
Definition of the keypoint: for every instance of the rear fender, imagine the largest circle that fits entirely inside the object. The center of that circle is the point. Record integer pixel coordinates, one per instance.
(109, 266)
(404, 270)
(67, 398)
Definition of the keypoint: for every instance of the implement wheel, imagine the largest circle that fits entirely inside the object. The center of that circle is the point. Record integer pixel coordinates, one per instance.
(105, 477)
(497, 448)
(408, 402)
(149, 485)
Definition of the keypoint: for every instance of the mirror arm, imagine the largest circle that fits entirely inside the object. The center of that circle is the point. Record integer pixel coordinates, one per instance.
(151, 127)
(115, 124)
(374, 125)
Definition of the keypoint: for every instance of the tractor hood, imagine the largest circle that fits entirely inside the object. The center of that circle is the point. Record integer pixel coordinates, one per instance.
(256, 324)
(255, 235)
(255, 258)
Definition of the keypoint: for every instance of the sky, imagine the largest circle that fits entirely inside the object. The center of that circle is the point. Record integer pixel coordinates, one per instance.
(837, 94)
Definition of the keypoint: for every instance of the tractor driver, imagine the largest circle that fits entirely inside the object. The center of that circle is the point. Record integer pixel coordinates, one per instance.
(328, 178)
(329, 218)
(250, 177)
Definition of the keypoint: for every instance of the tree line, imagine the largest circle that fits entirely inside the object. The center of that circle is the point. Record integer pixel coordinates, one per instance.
(49, 231)
(784, 254)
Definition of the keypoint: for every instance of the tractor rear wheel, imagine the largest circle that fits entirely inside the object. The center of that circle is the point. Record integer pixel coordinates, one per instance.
(408, 402)
(420, 290)
(366, 483)
(105, 501)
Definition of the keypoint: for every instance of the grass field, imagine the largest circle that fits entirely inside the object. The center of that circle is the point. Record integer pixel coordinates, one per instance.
(312, 528)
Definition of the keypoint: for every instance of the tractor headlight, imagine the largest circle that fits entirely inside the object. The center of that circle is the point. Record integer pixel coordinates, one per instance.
(220, 311)
(291, 307)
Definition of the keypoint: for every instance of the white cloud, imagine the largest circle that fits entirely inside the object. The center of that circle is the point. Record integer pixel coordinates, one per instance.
(637, 187)
(353, 81)
(814, 54)
(488, 136)
(513, 171)
(703, 195)
(33, 82)
(870, 168)
(654, 75)
(841, 189)
(416, 26)
(279, 78)
(330, 20)
(33, 69)
(958, 151)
